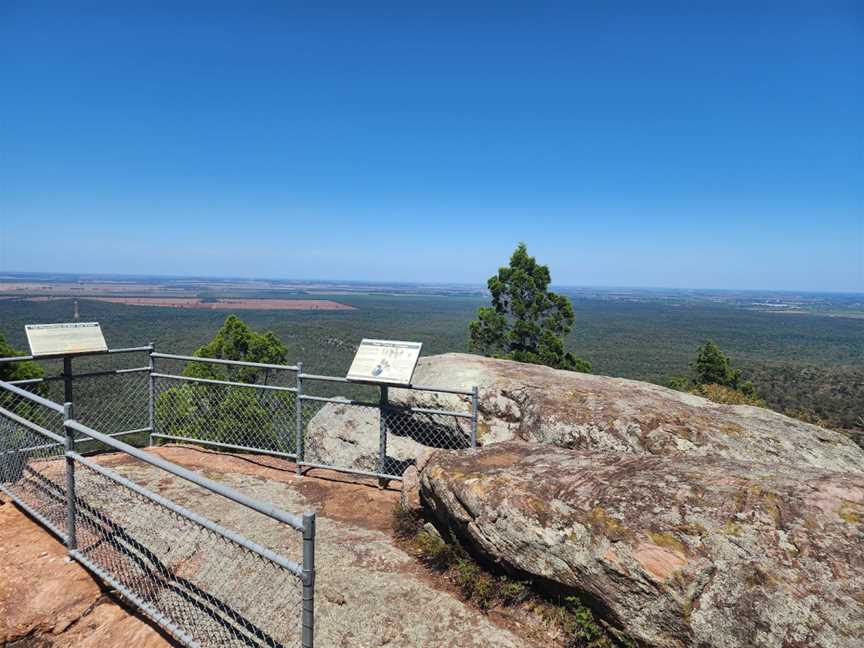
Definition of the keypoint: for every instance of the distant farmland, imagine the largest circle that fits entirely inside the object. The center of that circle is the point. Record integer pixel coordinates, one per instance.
(222, 304)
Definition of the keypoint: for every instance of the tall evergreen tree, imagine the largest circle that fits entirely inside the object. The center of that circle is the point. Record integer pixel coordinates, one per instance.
(526, 321)
(713, 367)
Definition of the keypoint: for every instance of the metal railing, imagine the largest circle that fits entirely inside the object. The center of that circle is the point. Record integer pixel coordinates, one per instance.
(203, 583)
(124, 414)
(282, 411)
(263, 408)
(383, 435)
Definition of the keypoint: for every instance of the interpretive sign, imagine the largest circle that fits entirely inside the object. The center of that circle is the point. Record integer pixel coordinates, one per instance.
(385, 361)
(65, 339)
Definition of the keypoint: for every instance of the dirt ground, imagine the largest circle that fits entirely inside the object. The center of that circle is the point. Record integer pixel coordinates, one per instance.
(369, 592)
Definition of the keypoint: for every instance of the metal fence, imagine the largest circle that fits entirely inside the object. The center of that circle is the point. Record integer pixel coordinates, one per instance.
(318, 421)
(381, 432)
(203, 583)
(110, 391)
(282, 411)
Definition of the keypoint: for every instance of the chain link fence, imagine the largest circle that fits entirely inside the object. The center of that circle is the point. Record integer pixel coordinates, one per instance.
(377, 431)
(32, 464)
(110, 392)
(203, 583)
(319, 421)
(214, 590)
(229, 415)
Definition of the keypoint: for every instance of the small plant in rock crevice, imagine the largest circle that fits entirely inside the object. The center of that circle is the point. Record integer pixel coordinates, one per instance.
(571, 619)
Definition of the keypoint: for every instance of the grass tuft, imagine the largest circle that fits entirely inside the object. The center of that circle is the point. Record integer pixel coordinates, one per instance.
(572, 620)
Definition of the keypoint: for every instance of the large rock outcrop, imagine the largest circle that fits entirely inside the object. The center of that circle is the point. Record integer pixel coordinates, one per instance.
(348, 436)
(685, 551)
(583, 411)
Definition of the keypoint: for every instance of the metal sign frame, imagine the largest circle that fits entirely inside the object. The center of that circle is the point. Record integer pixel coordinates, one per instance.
(65, 339)
(384, 362)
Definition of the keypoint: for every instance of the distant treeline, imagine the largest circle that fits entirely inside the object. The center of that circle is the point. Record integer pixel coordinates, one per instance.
(808, 365)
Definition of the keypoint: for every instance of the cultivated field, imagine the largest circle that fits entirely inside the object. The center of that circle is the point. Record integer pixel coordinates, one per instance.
(227, 304)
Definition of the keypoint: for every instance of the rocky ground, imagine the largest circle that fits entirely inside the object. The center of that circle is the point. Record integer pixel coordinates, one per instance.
(572, 410)
(369, 591)
(685, 552)
(46, 600)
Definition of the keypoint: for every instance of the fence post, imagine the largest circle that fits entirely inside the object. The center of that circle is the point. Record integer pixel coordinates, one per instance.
(71, 537)
(67, 379)
(298, 420)
(382, 437)
(474, 396)
(151, 403)
(308, 579)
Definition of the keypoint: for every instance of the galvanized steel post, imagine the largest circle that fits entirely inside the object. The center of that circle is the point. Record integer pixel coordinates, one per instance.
(67, 379)
(71, 538)
(151, 403)
(308, 579)
(474, 396)
(382, 437)
(298, 419)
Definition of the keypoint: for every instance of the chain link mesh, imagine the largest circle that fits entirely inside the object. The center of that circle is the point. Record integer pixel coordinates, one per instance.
(32, 469)
(345, 433)
(433, 429)
(214, 589)
(249, 417)
(113, 403)
(37, 413)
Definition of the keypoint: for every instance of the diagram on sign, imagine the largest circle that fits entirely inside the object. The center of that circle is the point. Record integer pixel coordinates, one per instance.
(385, 361)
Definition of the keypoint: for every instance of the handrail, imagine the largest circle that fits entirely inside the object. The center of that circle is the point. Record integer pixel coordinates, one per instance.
(290, 565)
(442, 390)
(24, 358)
(31, 396)
(290, 519)
(340, 379)
(89, 374)
(211, 381)
(240, 363)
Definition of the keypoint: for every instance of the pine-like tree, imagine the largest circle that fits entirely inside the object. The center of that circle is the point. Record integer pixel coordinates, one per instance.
(526, 321)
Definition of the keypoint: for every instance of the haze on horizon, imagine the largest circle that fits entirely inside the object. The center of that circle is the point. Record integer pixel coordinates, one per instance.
(664, 147)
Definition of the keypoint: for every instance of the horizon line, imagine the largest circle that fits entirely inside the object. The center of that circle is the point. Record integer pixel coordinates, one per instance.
(377, 282)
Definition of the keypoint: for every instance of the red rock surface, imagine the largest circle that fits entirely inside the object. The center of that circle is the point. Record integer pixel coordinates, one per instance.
(47, 600)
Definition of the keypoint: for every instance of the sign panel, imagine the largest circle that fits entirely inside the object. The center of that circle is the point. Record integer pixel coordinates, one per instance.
(65, 339)
(385, 361)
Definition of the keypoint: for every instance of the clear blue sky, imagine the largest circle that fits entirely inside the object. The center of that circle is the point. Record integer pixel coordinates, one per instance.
(686, 144)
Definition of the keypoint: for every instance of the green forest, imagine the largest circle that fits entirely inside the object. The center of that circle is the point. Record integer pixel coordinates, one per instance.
(808, 365)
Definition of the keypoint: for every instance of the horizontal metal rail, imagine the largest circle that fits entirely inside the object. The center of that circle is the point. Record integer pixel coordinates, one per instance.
(424, 410)
(47, 446)
(24, 358)
(162, 620)
(238, 363)
(131, 349)
(90, 374)
(338, 379)
(290, 519)
(264, 552)
(219, 444)
(389, 407)
(38, 429)
(27, 381)
(31, 396)
(352, 471)
(337, 399)
(211, 381)
(441, 390)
